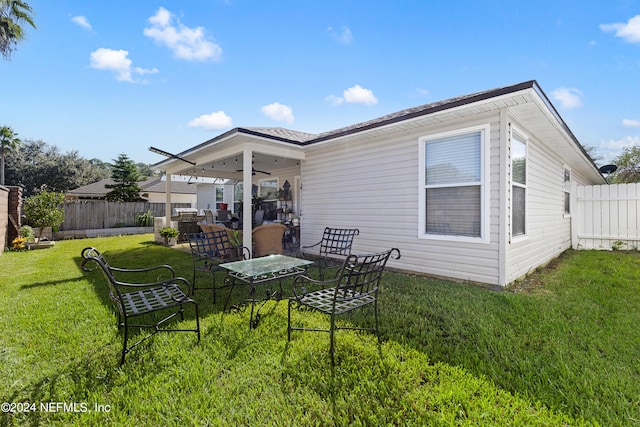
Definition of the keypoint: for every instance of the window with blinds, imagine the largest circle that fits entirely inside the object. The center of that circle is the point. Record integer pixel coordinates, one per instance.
(453, 184)
(567, 190)
(518, 185)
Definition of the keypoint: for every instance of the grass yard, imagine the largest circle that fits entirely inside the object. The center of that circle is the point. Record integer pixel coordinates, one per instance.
(561, 348)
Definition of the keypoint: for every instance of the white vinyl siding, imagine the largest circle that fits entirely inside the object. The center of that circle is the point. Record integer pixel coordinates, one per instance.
(548, 230)
(371, 184)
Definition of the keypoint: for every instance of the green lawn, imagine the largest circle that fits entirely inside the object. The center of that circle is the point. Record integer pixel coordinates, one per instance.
(562, 348)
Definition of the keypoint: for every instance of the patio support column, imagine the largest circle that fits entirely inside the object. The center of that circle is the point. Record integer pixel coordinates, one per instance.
(167, 208)
(247, 185)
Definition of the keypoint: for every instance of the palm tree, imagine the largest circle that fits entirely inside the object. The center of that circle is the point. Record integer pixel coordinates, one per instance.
(12, 14)
(9, 141)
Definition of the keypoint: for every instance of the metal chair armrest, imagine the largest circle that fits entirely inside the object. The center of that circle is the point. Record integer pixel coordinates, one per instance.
(144, 270)
(181, 281)
(301, 284)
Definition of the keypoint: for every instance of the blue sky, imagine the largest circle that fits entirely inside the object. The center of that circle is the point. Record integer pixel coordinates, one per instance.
(118, 76)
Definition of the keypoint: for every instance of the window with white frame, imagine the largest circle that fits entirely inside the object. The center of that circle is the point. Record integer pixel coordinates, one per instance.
(567, 190)
(518, 185)
(454, 184)
(219, 195)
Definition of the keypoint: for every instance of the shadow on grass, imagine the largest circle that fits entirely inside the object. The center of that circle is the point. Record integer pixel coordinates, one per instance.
(52, 282)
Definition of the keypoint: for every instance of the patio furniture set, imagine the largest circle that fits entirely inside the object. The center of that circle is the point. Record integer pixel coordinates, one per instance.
(346, 282)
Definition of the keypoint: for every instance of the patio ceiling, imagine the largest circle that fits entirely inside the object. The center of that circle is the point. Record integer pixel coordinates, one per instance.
(224, 157)
(231, 167)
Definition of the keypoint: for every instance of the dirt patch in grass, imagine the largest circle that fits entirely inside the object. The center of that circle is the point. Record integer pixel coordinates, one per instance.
(534, 282)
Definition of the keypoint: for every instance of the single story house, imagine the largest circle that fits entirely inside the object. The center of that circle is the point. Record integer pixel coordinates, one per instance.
(154, 190)
(475, 188)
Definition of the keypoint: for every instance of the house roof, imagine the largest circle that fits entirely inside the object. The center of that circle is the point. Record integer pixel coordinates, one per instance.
(150, 185)
(525, 100)
(398, 116)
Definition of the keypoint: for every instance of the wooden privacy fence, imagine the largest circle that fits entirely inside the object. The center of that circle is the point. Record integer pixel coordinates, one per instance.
(606, 217)
(98, 214)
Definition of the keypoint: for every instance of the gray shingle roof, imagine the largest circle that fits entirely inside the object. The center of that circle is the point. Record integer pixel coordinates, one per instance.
(292, 135)
(420, 110)
(151, 185)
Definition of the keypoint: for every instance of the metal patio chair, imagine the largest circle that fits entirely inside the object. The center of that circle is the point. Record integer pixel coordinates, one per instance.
(210, 249)
(332, 249)
(134, 299)
(355, 286)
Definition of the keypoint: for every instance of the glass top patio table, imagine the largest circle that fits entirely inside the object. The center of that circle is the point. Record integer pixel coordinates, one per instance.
(263, 270)
(267, 268)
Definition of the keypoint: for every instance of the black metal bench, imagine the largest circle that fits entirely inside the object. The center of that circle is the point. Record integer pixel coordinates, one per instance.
(137, 299)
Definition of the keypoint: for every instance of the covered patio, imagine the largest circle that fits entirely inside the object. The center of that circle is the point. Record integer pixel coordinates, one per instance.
(247, 155)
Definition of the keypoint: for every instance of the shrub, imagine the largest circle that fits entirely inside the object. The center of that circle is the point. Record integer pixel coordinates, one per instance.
(44, 210)
(27, 233)
(144, 219)
(19, 244)
(168, 232)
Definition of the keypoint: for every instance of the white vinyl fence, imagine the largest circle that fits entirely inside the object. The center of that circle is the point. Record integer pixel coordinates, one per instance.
(606, 217)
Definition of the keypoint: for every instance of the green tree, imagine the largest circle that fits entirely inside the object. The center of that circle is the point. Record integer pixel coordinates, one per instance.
(9, 141)
(38, 165)
(126, 176)
(44, 210)
(13, 13)
(145, 170)
(628, 166)
(591, 151)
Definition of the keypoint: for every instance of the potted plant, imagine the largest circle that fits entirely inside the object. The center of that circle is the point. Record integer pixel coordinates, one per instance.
(235, 240)
(235, 237)
(170, 234)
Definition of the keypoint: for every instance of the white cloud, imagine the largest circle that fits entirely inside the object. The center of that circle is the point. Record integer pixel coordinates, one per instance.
(619, 144)
(344, 36)
(186, 43)
(118, 62)
(354, 95)
(279, 112)
(629, 32)
(613, 147)
(81, 21)
(569, 98)
(630, 123)
(334, 100)
(359, 95)
(213, 121)
(422, 92)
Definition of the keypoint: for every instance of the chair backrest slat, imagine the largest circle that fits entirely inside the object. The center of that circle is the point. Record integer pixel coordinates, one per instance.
(362, 274)
(337, 241)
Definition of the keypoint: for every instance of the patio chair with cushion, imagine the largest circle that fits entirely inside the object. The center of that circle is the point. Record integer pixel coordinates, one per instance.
(267, 239)
(210, 249)
(224, 218)
(133, 299)
(331, 250)
(355, 286)
(208, 216)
